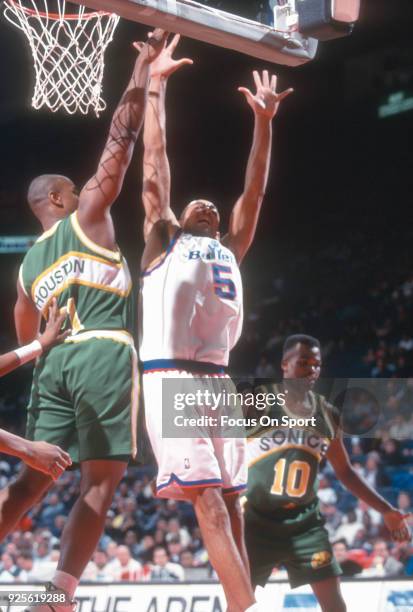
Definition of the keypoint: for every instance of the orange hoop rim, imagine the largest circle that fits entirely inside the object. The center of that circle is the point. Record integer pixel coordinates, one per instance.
(56, 16)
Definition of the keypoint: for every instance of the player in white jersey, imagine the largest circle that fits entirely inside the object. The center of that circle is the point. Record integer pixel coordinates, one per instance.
(191, 319)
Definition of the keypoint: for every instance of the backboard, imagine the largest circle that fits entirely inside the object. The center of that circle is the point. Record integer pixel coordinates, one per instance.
(281, 43)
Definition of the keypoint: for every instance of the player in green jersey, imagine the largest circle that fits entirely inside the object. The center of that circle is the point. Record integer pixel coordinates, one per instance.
(84, 390)
(42, 456)
(283, 524)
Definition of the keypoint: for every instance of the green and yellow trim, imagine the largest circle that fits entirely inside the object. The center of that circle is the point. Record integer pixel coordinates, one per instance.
(87, 242)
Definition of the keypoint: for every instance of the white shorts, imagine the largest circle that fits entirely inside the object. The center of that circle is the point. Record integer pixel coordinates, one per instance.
(188, 463)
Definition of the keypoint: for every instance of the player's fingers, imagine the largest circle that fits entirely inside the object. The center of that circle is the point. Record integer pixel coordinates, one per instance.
(60, 319)
(265, 78)
(139, 45)
(174, 42)
(62, 337)
(65, 459)
(52, 314)
(257, 79)
(273, 83)
(247, 93)
(185, 61)
(284, 94)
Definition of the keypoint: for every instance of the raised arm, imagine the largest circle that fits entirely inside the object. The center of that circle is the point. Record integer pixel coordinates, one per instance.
(156, 171)
(394, 520)
(103, 188)
(244, 217)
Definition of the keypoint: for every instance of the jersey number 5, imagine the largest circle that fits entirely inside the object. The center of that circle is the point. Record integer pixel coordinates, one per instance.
(298, 475)
(224, 286)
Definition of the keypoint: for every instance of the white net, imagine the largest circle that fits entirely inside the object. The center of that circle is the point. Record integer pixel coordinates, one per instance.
(68, 52)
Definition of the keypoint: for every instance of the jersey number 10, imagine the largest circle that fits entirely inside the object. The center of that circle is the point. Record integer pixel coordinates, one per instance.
(298, 475)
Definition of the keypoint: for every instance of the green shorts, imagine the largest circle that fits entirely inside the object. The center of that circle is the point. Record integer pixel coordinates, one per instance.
(85, 396)
(302, 548)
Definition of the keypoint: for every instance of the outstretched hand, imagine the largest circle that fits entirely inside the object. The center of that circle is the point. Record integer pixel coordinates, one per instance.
(165, 65)
(266, 100)
(397, 524)
(155, 44)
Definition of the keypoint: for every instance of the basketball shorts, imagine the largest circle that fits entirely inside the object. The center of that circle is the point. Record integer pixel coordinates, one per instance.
(303, 549)
(201, 460)
(84, 396)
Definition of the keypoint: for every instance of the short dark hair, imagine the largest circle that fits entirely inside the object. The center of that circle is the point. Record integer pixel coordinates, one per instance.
(295, 339)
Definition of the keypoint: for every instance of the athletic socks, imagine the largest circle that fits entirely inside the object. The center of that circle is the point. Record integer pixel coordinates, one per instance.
(65, 581)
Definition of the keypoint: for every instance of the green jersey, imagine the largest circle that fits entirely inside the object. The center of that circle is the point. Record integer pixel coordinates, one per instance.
(91, 282)
(283, 461)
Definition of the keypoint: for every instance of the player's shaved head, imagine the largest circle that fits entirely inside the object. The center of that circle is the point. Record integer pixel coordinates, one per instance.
(292, 341)
(40, 187)
(52, 197)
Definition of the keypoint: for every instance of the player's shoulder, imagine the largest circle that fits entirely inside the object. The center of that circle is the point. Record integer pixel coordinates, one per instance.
(42, 241)
(327, 411)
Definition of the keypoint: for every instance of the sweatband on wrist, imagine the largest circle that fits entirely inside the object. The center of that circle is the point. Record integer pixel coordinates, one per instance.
(29, 352)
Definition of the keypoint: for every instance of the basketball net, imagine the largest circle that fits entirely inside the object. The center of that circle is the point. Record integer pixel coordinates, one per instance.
(68, 53)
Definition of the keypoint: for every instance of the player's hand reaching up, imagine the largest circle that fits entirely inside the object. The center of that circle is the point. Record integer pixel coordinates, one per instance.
(46, 458)
(155, 44)
(397, 525)
(266, 100)
(165, 65)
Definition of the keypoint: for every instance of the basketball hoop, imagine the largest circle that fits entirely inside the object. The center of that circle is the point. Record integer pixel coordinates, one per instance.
(68, 53)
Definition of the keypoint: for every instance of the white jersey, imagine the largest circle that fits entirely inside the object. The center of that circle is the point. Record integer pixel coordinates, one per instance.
(191, 302)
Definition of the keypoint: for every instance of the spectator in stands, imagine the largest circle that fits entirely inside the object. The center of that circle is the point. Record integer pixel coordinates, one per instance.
(131, 541)
(325, 492)
(348, 566)
(349, 528)
(111, 552)
(51, 509)
(163, 570)
(383, 563)
(404, 503)
(126, 519)
(9, 570)
(174, 549)
(383, 369)
(124, 568)
(144, 549)
(25, 565)
(264, 369)
(401, 429)
(45, 559)
(333, 518)
(176, 530)
(97, 569)
(390, 452)
(187, 560)
(373, 472)
(58, 525)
